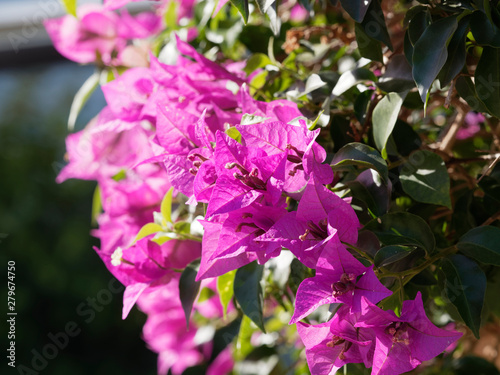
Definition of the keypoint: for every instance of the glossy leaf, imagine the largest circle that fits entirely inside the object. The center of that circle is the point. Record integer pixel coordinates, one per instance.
(484, 31)
(225, 289)
(465, 287)
(248, 292)
(430, 53)
(482, 244)
(403, 228)
(242, 6)
(368, 46)
(397, 75)
(189, 288)
(360, 155)
(374, 24)
(456, 54)
(352, 78)
(390, 254)
(420, 20)
(369, 188)
(424, 177)
(384, 118)
(356, 8)
(487, 80)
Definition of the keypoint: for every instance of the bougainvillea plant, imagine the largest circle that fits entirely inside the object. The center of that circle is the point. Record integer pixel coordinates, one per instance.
(294, 187)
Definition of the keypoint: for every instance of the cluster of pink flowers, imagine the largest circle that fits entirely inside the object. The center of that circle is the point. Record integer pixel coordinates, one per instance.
(194, 127)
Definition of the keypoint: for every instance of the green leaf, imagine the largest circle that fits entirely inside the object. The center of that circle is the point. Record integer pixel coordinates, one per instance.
(264, 5)
(96, 205)
(225, 289)
(390, 254)
(368, 46)
(170, 16)
(243, 345)
(352, 78)
(487, 80)
(81, 98)
(418, 23)
(385, 115)
(465, 88)
(430, 53)
(465, 287)
(482, 244)
(182, 227)
(360, 155)
(374, 24)
(397, 75)
(242, 6)
(70, 6)
(166, 206)
(356, 8)
(248, 292)
(369, 188)
(256, 61)
(189, 288)
(424, 177)
(456, 54)
(146, 230)
(484, 31)
(403, 228)
(234, 133)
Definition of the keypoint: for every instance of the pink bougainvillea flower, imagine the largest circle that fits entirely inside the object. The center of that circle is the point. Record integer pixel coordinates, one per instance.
(104, 148)
(320, 215)
(245, 174)
(403, 343)
(471, 125)
(229, 240)
(331, 345)
(304, 155)
(165, 330)
(340, 278)
(98, 32)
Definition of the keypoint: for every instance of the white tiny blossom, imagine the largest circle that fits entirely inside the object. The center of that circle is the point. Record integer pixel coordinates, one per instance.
(116, 257)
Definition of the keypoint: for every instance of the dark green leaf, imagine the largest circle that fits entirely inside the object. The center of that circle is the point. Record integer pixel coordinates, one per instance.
(456, 54)
(361, 105)
(418, 23)
(189, 287)
(412, 12)
(465, 286)
(482, 244)
(397, 75)
(403, 228)
(248, 292)
(390, 254)
(487, 80)
(408, 49)
(374, 24)
(360, 155)
(430, 53)
(356, 8)
(242, 6)
(369, 188)
(384, 118)
(424, 177)
(405, 138)
(484, 31)
(339, 131)
(465, 88)
(368, 46)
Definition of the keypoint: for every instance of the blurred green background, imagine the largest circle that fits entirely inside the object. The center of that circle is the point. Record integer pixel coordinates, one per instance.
(45, 230)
